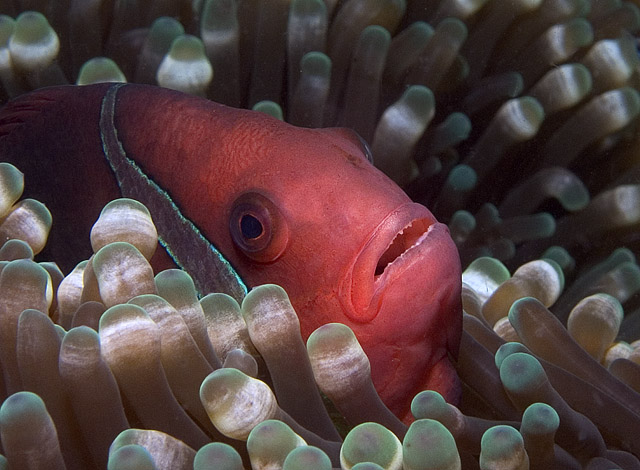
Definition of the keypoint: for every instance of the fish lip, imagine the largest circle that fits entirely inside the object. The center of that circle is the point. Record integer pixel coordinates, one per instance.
(362, 288)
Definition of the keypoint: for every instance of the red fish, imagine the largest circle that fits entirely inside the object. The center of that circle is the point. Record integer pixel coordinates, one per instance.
(302, 208)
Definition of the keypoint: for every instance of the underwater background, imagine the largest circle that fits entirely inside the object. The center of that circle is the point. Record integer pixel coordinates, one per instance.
(514, 122)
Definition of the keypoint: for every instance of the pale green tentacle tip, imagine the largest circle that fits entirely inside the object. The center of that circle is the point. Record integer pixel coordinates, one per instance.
(174, 277)
(176, 286)
(428, 404)
(507, 349)
(543, 226)
(14, 249)
(25, 426)
(216, 302)
(574, 195)
(337, 360)
(455, 28)
(4, 464)
(455, 128)
(32, 27)
(576, 33)
(376, 35)
(82, 337)
(548, 272)
(488, 267)
(561, 256)
(34, 43)
(484, 275)
(187, 48)
(272, 301)
(420, 100)
(28, 220)
(619, 256)
(269, 107)
(104, 254)
(7, 26)
(367, 466)
(125, 220)
(31, 316)
(217, 456)
(122, 272)
(462, 223)
(270, 442)
(462, 178)
(100, 70)
(131, 457)
(328, 335)
(540, 419)
(11, 186)
(582, 79)
(371, 442)
(185, 67)
(428, 445)
(267, 311)
(316, 63)
(264, 292)
(307, 457)
(62, 333)
(562, 87)
(521, 117)
(270, 434)
(555, 266)
(21, 407)
(164, 450)
(19, 272)
(117, 315)
(236, 403)
(164, 30)
(521, 372)
(421, 31)
(631, 101)
(503, 447)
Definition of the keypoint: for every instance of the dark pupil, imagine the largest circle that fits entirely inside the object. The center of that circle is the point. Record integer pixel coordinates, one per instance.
(250, 226)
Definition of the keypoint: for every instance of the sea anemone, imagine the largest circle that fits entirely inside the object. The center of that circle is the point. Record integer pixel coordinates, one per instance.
(515, 122)
(171, 381)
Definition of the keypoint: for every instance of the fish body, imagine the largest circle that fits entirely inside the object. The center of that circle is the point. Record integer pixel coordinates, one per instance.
(302, 208)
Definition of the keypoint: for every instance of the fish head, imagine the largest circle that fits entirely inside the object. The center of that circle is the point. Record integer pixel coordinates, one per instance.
(349, 246)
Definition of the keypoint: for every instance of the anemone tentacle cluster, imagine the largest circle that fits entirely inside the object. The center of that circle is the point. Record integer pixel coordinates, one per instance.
(114, 367)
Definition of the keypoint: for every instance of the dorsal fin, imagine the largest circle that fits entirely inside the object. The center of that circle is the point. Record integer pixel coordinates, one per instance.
(52, 136)
(22, 109)
(25, 108)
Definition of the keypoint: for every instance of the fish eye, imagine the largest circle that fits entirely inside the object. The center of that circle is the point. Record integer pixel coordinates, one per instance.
(251, 227)
(258, 228)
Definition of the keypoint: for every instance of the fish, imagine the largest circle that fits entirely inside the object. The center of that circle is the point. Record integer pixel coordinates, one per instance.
(240, 199)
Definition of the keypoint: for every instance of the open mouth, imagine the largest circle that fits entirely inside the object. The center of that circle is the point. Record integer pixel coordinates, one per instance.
(406, 239)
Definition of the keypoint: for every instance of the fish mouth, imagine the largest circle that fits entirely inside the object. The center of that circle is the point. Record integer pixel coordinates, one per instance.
(404, 241)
